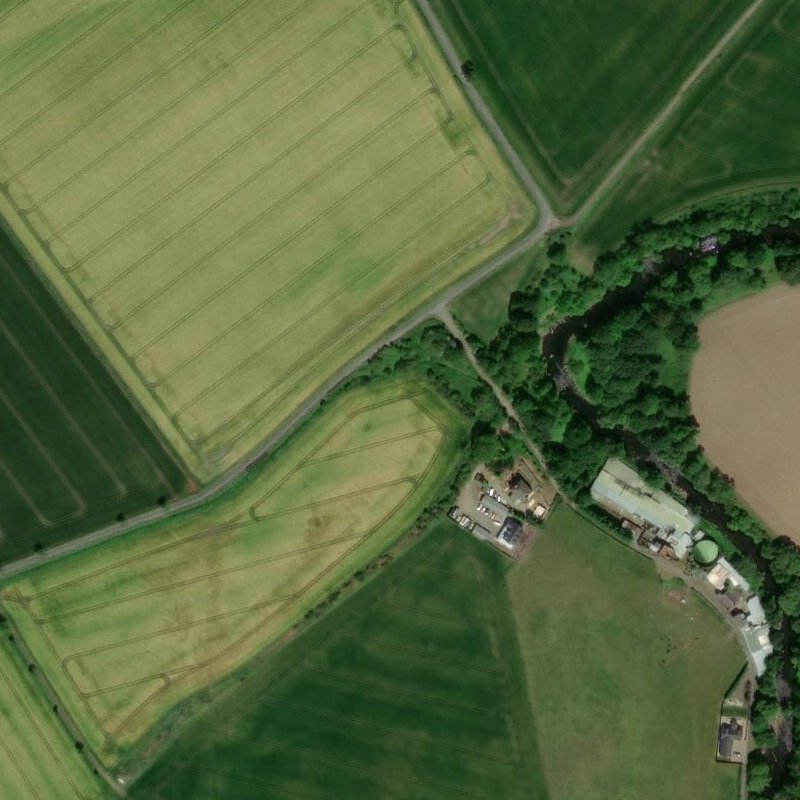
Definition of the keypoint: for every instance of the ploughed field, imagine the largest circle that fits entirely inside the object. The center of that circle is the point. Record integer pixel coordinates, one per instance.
(39, 759)
(744, 385)
(130, 628)
(74, 452)
(412, 688)
(238, 198)
(573, 84)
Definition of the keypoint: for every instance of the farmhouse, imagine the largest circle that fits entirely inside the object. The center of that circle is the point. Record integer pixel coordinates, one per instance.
(731, 741)
(658, 519)
(510, 534)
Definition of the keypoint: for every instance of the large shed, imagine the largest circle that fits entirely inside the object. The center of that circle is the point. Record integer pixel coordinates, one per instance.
(622, 491)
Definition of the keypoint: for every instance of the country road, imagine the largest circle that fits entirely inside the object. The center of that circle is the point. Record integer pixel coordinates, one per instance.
(438, 305)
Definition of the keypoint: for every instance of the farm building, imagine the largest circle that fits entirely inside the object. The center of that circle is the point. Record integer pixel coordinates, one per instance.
(659, 518)
(757, 642)
(731, 742)
(510, 534)
(705, 552)
(494, 508)
(722, 573)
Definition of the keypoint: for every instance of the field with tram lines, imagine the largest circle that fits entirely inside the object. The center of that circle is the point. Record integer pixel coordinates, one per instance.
(236, 199)
(128, 629)
(39, 760)
(74, 453)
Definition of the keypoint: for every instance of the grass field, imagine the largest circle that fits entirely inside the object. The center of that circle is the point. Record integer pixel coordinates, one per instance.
(413, 688)
(237, 198)
(484, 309)
(74, 453)
(738, 133)
(128, 629)
(39, 760)
(625, 680)
(574, 83)
(745, 378)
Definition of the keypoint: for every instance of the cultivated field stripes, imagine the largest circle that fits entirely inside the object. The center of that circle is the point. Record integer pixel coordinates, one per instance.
(42, 756)
(88, 381)
(320, 262)
(218, 112)
(431, 224)
(68, 46)
(68, 416)
(148, 120)
(115, 56)
(295, 145)
(208, 611)
(114, 235)
(392, 775)
(53, 22)
(348, 721)
(237, 214)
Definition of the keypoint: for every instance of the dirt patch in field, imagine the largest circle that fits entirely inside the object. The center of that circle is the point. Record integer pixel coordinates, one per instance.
(744, 387)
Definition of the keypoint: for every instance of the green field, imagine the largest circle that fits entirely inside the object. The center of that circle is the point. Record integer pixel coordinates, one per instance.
(236, 199)
(738, 133)
(130, 628)
(75, 453)
(39, 760)
(574, 83)
(573, 675)
(484, 309)
(413, 688)
(625, 680)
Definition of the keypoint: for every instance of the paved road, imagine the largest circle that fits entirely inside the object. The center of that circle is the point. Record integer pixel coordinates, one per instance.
(435, 308)
(485, 114)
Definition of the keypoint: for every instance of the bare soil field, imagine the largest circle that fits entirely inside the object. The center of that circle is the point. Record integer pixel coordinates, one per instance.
(744, 386)
(235, 199)
(130, 628)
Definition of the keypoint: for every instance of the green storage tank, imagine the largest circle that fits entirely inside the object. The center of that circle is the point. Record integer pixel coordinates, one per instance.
(705, 552)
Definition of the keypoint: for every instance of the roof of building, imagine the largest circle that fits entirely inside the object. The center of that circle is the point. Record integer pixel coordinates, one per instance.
(756, 640)
(725, 745)
(722, 572)
(494, 506)
(509, 534)
(705, 552)
(755, 611)
(621, 490)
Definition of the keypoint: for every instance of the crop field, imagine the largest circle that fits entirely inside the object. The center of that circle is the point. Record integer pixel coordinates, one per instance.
(39, 760)
(412, 688)
(744, 382)
(574, 83)
(625, 675)
(740, 133)
(74, 452)
(130, 628)
(236, 199)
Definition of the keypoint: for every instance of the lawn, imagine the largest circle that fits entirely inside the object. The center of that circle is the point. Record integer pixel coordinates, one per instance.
(412, 688)
(236, 199)
(484, 309)
(738, 133)
(39, 759)
(573, 84)
(127, 630)
(625, 678)
(75, 452)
